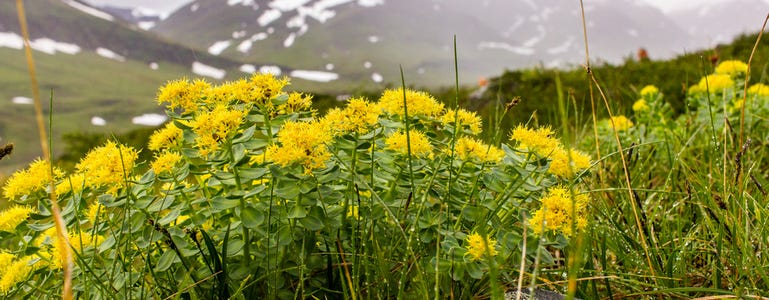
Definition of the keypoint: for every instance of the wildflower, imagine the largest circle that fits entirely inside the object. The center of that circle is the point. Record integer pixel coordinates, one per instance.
(465, 118)
(359, 116)
(649, 91)
(731, 67)
(15, 272)
(621, 123)
(303, 143)
(695, 89)
(640, 105)
(715, 83)
(78, 242)
(420, 144)
(565, 164)
(95, 211)
(468, 148)
(165, 162)
(559, 211)
(36, 177)
(758, 89)
(419, 103)
(227, 92)
(352, 212)
(213, 127)
(297, 102)
(264, 87)
(166, 137)
(13, 216)
(183, 94)
(539, 141)
(74, 183)
(108, 165)
(478, 246)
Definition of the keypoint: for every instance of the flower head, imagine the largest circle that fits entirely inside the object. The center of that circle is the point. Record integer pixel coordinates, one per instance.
(30, 180)
(95, 212)
(264, 87)
(165, 162)
(716, 83)
(649, 91)
(303, 143)
(214, 127)
(183, 94)
(74, 183)
(13, 216)
(731, 67)
(478, 246)
(640, 105)
(15, 272)
(565, 164)
(358, 116)
(419, 103)
(420, 144)
(166, 137)
(108, 165)
(559, 211)
(471, 149)
(539, 141)
(620, 123)
(465, 119)
(297, 102)
(758, 89)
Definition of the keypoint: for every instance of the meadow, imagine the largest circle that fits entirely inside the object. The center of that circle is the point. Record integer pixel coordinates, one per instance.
(250, 192)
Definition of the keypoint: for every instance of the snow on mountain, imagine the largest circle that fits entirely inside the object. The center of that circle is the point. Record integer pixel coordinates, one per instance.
(720, 21)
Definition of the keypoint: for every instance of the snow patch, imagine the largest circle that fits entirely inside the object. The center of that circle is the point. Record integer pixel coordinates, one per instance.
(194, 7)
(268, 16)
(329, 67)
(149, 119)
(219, 47)
(206, 70)
(319, 76)
(98, 121)
(89, 10)
(247, 68)
(238, 34)
(370, 3)
(507, 47)
(244, 46)
(376, 77)
(241, 2)
(21, 100)
(367, 65)
(104, 52)
(154, 66)
(50, 46)
(146, 25)
(274, 70)
(11, 40)
(373, 39)
(289, 40)
(287, 5)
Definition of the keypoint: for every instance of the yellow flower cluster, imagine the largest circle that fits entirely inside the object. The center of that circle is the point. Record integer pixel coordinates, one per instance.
(214, 127)
(715, 83)
(649, 91)
(731, 67)
(640, 105)
(419, 103)
(227, 92)
(95, 212)
(566, 163)
(620, 123)
(465, 118)
(165, 162)
(297, 102)
(303, 143)
(36, 177)
(758, 89)
(74, 183)
(13, 271)
(478, 246)
(420, 144)
(559, 212)
(539, 141)
(264, 87)
(166, 137)
(183, 94)
(358, 116)
(108, 165)
(13, 216)
(470, 149)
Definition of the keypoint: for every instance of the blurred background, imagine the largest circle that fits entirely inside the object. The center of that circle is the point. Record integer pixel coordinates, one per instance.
(102, 61)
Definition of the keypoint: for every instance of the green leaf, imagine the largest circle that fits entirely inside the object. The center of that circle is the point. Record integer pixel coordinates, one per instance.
(297, 212)
(251, 217)
(238, 153)
(221, 203)
(474, 270)
(165, 261)
(312, 222)
(245, 135)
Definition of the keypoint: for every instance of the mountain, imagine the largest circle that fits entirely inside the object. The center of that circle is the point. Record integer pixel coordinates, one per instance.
(366, 41)
(720, 21)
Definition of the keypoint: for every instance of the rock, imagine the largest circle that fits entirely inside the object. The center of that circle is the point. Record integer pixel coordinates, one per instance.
(539, 294)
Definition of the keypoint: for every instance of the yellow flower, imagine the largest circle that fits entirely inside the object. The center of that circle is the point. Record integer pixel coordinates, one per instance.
(566, 163)
(303, 143)
(96, 211)
(759, 89)
(183, 94)
(559, 211)
(731, 67)
(465, 118)
(166, 137)
(419, 103)
(420, 144)
(74, 183)
(297, 102)
(649, 91)
(715, 83)
(79, 242)
(695, 89)
(620, 123)
(352, 211)
(165, 162)
(16, 272)
(640, 106)
(108, 165)
(264, 87)
(539, 141)
(36, 177)
(468, 148)
(478, 246)
(13, 216)
(213, 127)
(359, 116)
